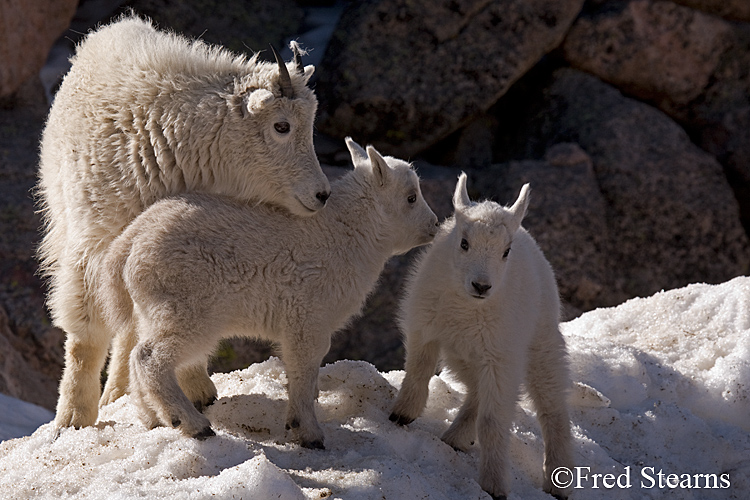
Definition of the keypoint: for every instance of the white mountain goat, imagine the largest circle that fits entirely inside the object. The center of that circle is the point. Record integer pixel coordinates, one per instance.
(143, 115)
(492, 315)
(195, 268)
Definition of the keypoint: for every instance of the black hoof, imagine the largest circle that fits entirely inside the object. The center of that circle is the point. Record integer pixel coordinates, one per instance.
(400, 419)
(559, 497)
(206, 433)
(293, 424)
(200, 405)
(499, 497)
(313, 445)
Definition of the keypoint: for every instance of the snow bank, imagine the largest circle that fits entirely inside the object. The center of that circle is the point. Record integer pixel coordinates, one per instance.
(661, 386)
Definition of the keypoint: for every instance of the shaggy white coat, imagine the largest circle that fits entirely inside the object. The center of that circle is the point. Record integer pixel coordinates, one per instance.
(485, 300)
(196, 268)
(142, 115)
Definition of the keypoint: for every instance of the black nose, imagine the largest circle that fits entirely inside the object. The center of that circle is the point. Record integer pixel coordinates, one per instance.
(481, 288)
(323, 196)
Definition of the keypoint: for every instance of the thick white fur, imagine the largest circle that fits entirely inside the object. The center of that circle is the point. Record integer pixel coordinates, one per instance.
(142, 115)
(490, 337)
(195, 268)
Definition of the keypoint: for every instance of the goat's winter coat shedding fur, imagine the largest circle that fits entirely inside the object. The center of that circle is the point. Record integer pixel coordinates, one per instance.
(196, 268)
(140, 116)
(492, 314)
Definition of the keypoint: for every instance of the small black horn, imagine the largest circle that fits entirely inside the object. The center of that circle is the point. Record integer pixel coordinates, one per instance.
(285, 81)
(297, 57)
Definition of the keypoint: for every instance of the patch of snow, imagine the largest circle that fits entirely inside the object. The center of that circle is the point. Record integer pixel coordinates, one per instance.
(661, 386)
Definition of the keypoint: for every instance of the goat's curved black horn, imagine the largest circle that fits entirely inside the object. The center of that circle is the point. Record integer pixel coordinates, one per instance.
(297, 57)
(285, 81)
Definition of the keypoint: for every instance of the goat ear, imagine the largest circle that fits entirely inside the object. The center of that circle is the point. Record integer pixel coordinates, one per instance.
(309, 70)
(256, 100)
(461, 195)
(379, 166)
(518, 210)
(358, 154)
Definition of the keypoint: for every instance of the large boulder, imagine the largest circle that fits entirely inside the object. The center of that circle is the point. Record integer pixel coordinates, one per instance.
(31, 349)
(655, 50)
(737, 10)
(27, 366)
(28, 30)
(669, 213)
(720, 119)
(405, 74)
(247, 26)
(691, 65)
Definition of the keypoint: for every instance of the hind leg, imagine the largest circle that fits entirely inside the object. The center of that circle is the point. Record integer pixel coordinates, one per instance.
(302, 363)
(118, 371)
(462, 432)
(80, 384)
(193, 380)
(497, 384)
(86, 348)
(152, 370)
(548, 383)
(143, 402)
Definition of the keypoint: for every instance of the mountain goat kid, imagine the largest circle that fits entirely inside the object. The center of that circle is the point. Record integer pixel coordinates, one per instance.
(492, 314)
(140, 116)
(195, 268)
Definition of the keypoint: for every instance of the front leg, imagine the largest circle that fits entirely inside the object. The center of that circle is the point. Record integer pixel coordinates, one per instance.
(421, 361)
(302, 362)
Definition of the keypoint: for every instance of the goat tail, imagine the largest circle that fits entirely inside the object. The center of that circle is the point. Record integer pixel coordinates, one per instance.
(113, 296)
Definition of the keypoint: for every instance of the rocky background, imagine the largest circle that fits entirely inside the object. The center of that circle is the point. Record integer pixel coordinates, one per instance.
(630, 118)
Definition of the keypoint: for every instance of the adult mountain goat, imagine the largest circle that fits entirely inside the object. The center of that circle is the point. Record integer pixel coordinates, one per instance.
(195, 268)
(485, 299)
(142, 115)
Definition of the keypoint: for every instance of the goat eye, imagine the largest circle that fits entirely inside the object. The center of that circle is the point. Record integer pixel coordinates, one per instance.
(464, 244)
(505, 254)
(412, 198)
(281, 127)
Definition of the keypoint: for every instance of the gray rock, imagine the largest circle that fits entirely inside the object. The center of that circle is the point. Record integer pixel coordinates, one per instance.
(729, 141)
(31, 350)
(691, 65)
(657, 51)
(30, 27)
(404, 74)
(247, 26)
(737, 10)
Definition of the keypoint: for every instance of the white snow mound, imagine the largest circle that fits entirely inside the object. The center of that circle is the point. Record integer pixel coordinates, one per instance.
(660, 403)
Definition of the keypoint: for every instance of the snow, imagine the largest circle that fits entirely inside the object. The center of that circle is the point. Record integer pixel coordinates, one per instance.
(661, 388)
